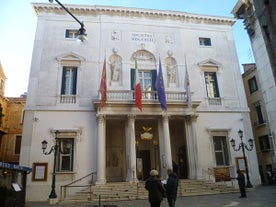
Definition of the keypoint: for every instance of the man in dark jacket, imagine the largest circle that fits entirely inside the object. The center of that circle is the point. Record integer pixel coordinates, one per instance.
(155, 188)
(171, 187)
(241, 182)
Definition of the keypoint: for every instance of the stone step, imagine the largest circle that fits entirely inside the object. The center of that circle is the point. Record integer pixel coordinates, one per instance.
(120, 191)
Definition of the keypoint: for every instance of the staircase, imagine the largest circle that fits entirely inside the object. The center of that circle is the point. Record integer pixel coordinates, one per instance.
(131, 191)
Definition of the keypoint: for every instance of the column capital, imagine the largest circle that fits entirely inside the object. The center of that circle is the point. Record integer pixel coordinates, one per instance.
(131, 116)
(100, 117)
(191, 117)
(165, 116)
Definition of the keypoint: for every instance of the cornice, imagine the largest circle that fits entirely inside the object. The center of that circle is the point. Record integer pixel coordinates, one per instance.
(96, 10)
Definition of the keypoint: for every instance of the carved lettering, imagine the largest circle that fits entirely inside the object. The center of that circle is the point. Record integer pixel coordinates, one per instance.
(141, 37)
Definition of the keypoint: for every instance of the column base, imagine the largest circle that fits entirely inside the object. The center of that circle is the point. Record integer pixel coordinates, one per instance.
(100, 182)
(53, 201)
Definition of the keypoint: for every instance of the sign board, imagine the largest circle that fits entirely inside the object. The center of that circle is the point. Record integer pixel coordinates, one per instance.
(15, 167)
(16, 187)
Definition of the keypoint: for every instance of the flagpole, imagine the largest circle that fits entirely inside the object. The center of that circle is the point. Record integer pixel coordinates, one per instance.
(187, 85)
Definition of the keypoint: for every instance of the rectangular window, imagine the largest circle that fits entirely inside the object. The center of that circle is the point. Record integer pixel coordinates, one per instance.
(69, 81)
(264, 143)
(204, 41)
(252, 83)
(17, 144)
(147, 81)
(69, 85)
(71, 33)
(65, 155)
(221, 150)
(211, 84)
(259, 115)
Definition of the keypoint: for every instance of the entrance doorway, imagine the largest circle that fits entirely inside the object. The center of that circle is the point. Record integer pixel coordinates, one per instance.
(183, 165)
(144, 156)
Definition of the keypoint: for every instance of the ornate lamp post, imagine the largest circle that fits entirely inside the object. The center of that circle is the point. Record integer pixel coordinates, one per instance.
(81, 33)
(54, 149)
(243, 146)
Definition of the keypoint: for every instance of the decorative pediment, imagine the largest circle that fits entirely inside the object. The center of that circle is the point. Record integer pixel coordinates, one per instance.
(209, 63)
(70, 57)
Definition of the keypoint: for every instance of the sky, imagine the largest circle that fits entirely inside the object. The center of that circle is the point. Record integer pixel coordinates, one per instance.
(18, 24)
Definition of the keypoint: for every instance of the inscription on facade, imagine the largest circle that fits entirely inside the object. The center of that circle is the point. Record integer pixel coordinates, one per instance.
(141, 37)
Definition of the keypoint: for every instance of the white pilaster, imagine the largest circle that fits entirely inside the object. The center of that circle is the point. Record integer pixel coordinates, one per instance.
(132, 152)
(167, 142)
(101, 158)
(192, 147)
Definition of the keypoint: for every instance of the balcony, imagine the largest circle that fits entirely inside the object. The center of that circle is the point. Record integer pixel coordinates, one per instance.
(260, 123)
(214, 101)
(68, 99)
(128, 95)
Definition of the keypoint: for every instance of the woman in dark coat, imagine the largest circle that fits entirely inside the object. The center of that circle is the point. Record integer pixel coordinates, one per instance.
(155, 188)
(241, 182)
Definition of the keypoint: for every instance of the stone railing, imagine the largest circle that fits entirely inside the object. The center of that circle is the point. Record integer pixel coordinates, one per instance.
(127, 95)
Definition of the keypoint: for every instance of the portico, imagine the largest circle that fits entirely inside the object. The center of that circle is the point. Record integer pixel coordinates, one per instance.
(129, 145)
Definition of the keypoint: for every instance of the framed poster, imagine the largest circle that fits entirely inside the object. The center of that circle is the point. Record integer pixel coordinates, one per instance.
(240, 163)
(40, 171)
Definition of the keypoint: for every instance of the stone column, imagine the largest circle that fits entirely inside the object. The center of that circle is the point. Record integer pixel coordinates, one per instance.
(101, 154)
(192, 147)
(132, 150)
(167, 142)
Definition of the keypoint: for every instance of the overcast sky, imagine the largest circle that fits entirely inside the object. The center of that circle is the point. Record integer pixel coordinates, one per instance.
(18, 25)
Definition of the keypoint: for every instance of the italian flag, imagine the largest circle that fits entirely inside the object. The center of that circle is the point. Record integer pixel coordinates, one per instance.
(138, 92)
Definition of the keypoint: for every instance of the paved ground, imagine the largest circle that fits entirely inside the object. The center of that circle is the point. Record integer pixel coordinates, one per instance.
(264, 196)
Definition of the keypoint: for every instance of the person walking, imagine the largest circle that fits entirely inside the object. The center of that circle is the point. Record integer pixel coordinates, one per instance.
(156, 190)
(171, 187)
(241, 182)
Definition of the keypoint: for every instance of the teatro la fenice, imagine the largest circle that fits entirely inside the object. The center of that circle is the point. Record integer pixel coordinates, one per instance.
(120, 143)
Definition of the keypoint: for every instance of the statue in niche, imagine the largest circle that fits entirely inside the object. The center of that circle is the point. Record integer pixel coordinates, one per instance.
(115, 67)
(171, 70)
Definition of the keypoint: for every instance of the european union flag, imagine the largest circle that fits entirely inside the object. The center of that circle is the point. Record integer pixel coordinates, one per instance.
(159, 84)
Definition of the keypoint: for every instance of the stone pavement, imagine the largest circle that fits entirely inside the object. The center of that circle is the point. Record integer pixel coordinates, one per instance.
(264, 196)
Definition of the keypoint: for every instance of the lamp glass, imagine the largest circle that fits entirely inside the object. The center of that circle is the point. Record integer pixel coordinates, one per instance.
(44, 144)
(232, 141)
(250, 142)
(82, 34)
(240, 132)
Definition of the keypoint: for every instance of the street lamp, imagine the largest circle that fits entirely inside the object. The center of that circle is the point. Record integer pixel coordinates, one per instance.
(81, 33)
(243, 146)
(54, 149)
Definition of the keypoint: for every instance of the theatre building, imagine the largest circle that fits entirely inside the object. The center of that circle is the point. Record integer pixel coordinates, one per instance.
(205, 102)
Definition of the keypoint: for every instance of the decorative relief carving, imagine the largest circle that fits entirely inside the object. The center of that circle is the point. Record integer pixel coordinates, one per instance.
(116, 35)
(143, 55)
(169, 39)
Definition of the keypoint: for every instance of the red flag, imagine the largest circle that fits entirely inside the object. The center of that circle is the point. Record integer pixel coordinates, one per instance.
(138, 92)
(103, 86)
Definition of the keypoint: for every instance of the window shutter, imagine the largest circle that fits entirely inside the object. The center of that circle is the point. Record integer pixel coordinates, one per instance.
(63, 80)
(132, 79)
(153, 79)
(216, 85)
(67, 33)
(75, 74)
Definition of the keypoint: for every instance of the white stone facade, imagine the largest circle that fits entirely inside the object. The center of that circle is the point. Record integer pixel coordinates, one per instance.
(109, 141)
